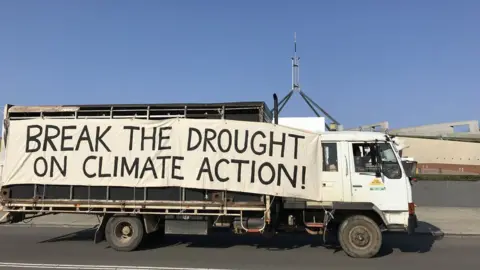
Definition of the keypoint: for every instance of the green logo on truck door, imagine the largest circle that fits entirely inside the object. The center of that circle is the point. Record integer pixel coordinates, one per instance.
(377, 184)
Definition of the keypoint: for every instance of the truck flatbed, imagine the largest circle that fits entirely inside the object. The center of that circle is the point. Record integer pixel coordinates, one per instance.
(133, 206)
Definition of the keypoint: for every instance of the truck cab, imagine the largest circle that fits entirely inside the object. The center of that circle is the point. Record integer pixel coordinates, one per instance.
(365, 191)
(370, 170)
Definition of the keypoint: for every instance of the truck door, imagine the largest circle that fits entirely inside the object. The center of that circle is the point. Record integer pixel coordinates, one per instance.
(333, 171)
(388, 192)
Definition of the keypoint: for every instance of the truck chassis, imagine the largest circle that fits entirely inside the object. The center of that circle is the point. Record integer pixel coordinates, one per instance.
(125, 224)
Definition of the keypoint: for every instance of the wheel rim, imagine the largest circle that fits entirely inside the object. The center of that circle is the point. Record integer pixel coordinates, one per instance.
(360, 237)
(124, 232)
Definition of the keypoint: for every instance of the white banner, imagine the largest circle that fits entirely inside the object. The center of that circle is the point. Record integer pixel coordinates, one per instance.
(228, 155)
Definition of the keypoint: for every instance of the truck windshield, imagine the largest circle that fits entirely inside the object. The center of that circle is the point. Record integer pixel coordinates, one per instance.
(387, 154)
(390, 165)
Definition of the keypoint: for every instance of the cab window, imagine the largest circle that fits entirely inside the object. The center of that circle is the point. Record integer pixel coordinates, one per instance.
(330, 157)
(361, 157)
(363, 163)
(390, 165)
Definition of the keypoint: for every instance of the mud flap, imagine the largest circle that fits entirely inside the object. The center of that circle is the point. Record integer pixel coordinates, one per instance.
(100, 232)
(412, 223)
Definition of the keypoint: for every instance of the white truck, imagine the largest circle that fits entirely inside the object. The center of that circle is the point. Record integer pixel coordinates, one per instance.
(150, 170)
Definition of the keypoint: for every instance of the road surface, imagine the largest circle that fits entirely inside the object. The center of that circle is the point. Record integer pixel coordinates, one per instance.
(23, 246)
(447, 193)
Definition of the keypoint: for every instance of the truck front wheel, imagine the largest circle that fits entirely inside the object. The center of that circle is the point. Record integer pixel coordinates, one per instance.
(360, 237)
(124, 233)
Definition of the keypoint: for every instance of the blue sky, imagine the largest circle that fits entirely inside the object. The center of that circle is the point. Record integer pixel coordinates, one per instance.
(409, 62)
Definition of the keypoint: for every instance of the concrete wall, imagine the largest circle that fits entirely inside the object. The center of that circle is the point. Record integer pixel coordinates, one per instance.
(447, 156)
(380, 127)
(424, 130)
(439, 129)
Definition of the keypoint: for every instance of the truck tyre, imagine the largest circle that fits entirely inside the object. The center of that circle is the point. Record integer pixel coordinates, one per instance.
(124, 233)
(360, 237)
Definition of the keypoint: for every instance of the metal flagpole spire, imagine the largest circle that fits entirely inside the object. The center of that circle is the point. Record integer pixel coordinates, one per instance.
(295, 66)
(296, 88)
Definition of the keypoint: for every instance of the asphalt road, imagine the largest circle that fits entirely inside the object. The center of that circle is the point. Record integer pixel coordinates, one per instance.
(447, 193)
(21, 246)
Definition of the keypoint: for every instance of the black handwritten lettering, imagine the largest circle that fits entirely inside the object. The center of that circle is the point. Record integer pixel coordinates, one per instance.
(237, 141)
(252, 171)
(148, 166)
(60, 138)
(258, 143)
(145, 137)
(281, 143)
(239, 167)
(100, 168)
(210, 135)
(88, 175)
(65, 137)
(261, 170)
(85, 136)
(296, 137)
(217, 172)
(292, 179)
(164, 161)
(131, 129)
(115, 166)
(189, 144)
(162, 137)
(99, 139)
(61, 167)
(263, 146)
(205, 168)
(133, 169)
(176, 167)
(304, 175)
(144, 162)
(156, 138)
(49, 137)
(33, 138)
(228, 141)
(40, 167)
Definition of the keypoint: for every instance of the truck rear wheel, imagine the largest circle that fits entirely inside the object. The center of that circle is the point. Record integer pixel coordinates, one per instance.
(360, 237)
(124, 233)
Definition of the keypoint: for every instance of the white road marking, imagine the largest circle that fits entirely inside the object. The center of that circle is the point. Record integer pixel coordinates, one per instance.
(95, 267)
